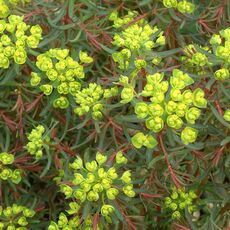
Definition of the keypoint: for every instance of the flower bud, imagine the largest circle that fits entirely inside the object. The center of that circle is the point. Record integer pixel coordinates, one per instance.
(187, 97)
(185, 7)
(112, 193)
(199, 59)
(141, 109)
(192, 115)
(128, 190)
(22, 221)
(80, 195)
(63, 221)
(155, 124)
(46, 89)
(67, 190)
(227, 115)
(155, 110)
(6, 158)
(176, 215)
(100, 158)
(150, 142)
(189, 135)
(35, 79)
(61, 102)
(85, 186)
(78, 178)
(85, 58)
(91, 166)
(138, 140)
(173, 206)
(120, 159)
(106, 183)
(198, 98)
(112, 173)
(77, 164)
(140, 63)
(98, 188)
(174, 121)
(215, 39)
(74, 208)
(222, 74)
(107, 210)
(92, 196)
(127, 94)
(126, 177)
(170, 3)
(176, 95)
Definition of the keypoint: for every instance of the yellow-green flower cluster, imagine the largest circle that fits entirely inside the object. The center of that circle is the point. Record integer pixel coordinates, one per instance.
(60, 74)
(227, 115)
(221, 48)
(195, 59)
(15, 37)
(6, 173)
(15, 217)
(221, 45)
(135, 39)
(175, 109)
(4, 8)
(90, 99)
(178, 201)
(183, 6)
(119, 22)
(36, 141)
(97, 182)
(72, 223)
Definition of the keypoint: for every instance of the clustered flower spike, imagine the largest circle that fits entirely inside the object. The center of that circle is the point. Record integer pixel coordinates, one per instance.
(178, 201)
(73, 222)
(97, 182)
(36, 141)
(60, 75)
(15, 38)
(135, 38)
(91, 100)
(15, 217)
(175, 110)
(182, 6)
(6, 173)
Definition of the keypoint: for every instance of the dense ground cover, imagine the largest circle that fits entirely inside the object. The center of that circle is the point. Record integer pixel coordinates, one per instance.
(114, 114)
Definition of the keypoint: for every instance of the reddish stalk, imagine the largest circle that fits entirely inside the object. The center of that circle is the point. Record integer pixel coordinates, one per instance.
(175, 180)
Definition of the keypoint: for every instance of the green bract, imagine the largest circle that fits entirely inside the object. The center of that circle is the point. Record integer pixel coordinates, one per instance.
(188, 135)
(139, 140)
(16, 37)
